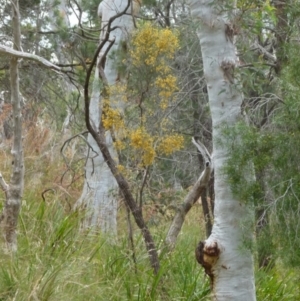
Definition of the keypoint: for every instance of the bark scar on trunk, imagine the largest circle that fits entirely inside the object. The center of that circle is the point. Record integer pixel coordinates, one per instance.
(207, 255)
(228, 66)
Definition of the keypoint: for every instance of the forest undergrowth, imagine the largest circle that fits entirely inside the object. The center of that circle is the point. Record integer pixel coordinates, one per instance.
(56, 260)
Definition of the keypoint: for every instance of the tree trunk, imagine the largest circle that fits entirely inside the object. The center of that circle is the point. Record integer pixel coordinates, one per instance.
(224, 255)
(208, 217)
(99, 196)
(14, 190)
(202, 131)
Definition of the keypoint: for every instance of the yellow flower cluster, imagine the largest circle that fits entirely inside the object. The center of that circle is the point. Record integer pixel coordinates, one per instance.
(149, 56)
(141, 140)
(151, 49)
(167, 86)
(111, 118)
(171, 144)
(150, 43)
(121, 168)
(119, 144)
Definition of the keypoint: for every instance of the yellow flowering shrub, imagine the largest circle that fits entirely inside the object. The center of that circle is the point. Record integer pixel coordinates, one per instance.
(121, 168)
(111, 118)
(167, 86)
(142, 141)
(152, 49)
(119, 144)
(170, 144)
(118, 92)
(149, 88)
(151, 45)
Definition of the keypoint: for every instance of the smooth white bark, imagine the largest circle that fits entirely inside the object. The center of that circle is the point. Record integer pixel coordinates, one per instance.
(99, 195)
(100, 187)
(224, 254)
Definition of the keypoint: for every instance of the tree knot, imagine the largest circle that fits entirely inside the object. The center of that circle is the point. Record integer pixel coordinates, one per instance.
(207, 255)
(228, 66)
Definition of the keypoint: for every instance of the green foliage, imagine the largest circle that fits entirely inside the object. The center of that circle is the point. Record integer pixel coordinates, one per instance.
(263, 167)
(91, 8)
(250, 151)
(28, 4)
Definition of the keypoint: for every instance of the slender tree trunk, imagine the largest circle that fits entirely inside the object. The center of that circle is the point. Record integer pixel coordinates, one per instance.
(99, 195)
(59, 21)
(92, 196)
(224, 255)
(14, 190)
(263, 232)
(131, 245)
(208, 218)
(264, 239)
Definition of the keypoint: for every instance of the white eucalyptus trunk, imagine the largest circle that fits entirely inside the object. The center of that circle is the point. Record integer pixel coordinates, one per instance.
(224, 255)
(100, 188)
(99, 196)
(14, 190)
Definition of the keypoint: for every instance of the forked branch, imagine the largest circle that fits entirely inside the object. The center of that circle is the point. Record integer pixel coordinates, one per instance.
(191, 198)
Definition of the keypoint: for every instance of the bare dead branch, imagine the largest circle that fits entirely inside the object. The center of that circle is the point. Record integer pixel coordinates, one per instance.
(29, 56)
(203, 151)
(267, 54)
(191, 198)
(45, 191)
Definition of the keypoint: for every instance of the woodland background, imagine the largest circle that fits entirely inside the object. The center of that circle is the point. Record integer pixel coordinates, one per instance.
(58, 258)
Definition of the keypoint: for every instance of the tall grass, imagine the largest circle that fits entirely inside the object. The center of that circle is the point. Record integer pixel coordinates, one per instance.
(57, 261)
(278, 285)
